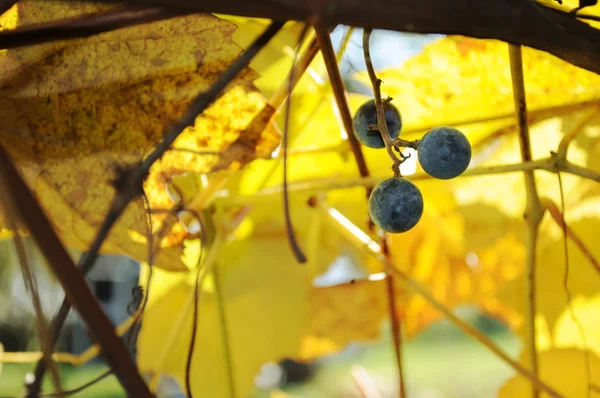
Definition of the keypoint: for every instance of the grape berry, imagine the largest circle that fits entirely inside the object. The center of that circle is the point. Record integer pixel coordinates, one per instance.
(444, 152)
(366, 115)
(396, 205)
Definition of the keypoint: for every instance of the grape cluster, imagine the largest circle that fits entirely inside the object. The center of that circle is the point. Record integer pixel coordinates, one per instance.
(396, 204)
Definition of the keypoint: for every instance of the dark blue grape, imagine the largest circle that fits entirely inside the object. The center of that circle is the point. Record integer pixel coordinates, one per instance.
(367, 114)
(444, 152)
(396, 205)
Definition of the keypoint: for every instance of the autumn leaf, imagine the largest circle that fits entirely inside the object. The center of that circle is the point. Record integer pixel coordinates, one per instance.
(272, 311)
(563, 369)
(459, 79)
(583, 278)
(72, 111)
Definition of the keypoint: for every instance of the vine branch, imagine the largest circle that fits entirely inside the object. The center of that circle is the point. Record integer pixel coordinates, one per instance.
(394, 319)
(312, 187)
(339, 92)
(523, 22)
(534, 211)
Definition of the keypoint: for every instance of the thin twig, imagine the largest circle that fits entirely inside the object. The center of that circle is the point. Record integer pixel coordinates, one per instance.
(81, 388)
(394, 319)
(534, 211)
(586, 352)
(213, 253)
(197, 287)
(339, 92)
(344, 45)
(291, 235)
(313, 187)
(381, 122)
(32, 288)
(534, 116)
(71, 279)
(129, 183)
(300, 66)
(225, 333)
(563, 146)
(84, 25)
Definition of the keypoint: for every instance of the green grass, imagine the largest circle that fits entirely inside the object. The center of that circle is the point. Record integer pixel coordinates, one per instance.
(441, 363)
(13, 376)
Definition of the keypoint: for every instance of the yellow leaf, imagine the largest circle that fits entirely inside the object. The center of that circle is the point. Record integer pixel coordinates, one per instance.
(272, 312)
(583, 278)
(72, 111)
(344, 314)
(578, 326)
(458, 254)
(264, 304)
(562, 369)
(459, 78)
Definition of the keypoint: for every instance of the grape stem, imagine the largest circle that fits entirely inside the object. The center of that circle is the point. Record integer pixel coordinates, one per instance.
(391, 144)
(381, 124)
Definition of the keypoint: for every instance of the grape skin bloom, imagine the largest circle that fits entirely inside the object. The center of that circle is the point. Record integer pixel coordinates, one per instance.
(366, 115)
(396, 205)
(444, 152)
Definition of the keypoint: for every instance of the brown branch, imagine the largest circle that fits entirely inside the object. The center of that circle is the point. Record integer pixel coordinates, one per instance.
(514, 21)
(534, 211)
(339, 91)
(83, 25)
(77, 291)
(394, 319)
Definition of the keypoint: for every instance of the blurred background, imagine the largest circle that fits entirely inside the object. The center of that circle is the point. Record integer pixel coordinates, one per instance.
(440, 362)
